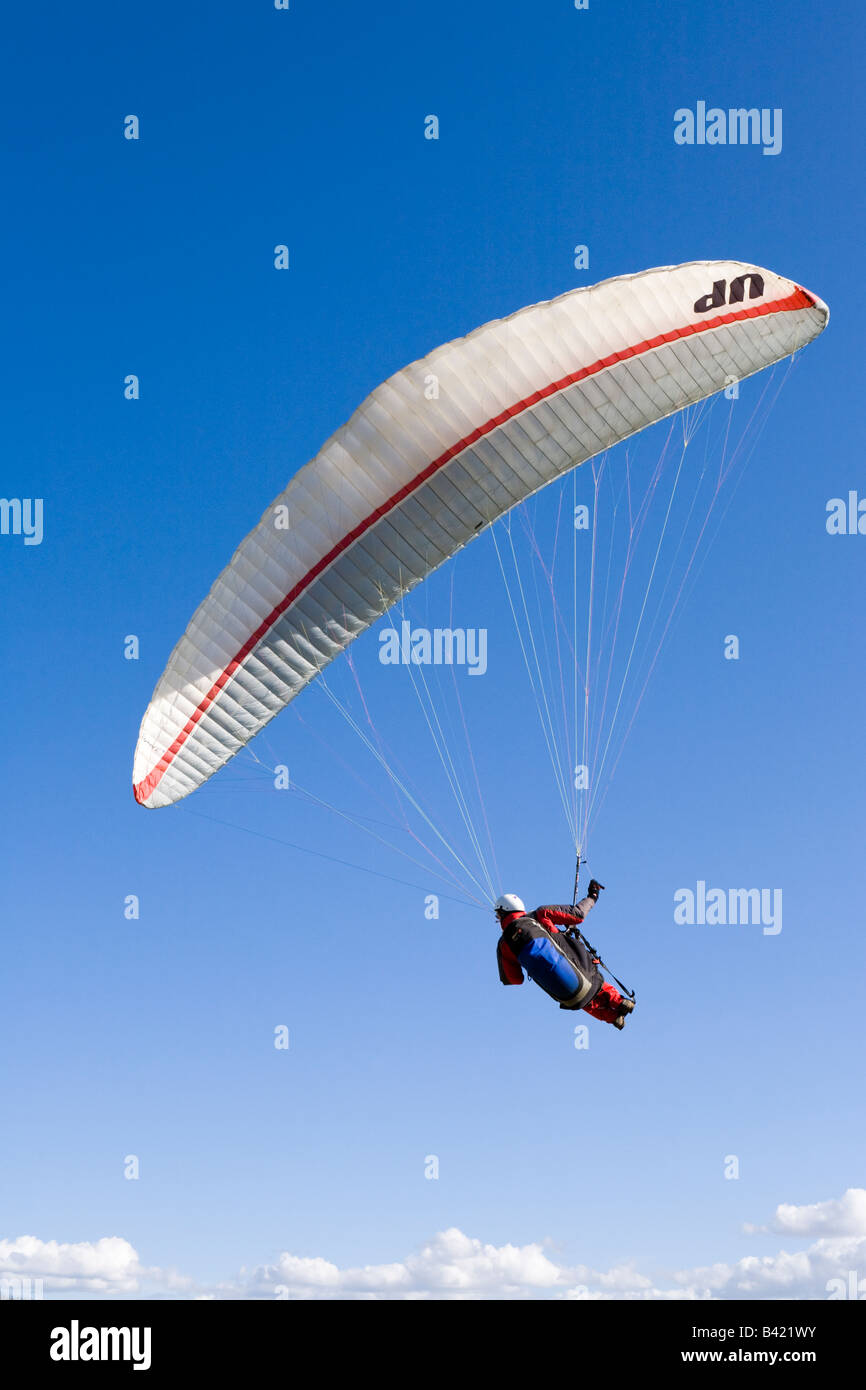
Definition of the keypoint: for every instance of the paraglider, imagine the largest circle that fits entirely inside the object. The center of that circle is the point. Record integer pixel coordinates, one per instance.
(413, 477)
(560, 962)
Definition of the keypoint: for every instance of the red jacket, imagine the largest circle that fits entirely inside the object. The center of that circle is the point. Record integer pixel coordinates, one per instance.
(510, 972)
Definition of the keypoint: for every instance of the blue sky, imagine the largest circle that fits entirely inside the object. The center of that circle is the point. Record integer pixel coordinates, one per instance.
(154, 1037)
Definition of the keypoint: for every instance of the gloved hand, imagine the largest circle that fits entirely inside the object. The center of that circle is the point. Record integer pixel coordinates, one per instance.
(594, 889)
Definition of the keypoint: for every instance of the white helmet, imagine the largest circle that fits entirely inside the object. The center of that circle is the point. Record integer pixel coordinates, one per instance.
(509, 902)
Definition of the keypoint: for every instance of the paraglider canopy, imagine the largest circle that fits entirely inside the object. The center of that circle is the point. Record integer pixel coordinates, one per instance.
(415, 474)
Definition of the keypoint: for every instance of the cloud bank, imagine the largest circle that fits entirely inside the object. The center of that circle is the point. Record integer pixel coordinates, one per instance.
(454, 1265)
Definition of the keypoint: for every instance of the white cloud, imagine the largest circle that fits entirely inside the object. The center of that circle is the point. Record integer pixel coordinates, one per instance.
(105, 1267)
(803, 1274)
(451, 1264)
(845, 1217)
(110, 1263)
(454, 1265)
